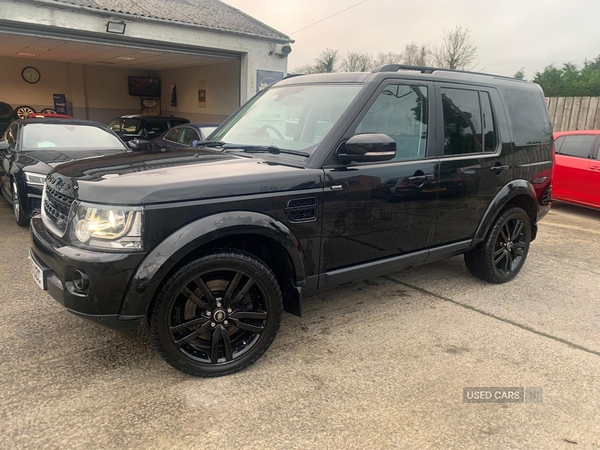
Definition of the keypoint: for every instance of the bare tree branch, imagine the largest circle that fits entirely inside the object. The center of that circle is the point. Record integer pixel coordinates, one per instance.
(456, 51)
(357, 62)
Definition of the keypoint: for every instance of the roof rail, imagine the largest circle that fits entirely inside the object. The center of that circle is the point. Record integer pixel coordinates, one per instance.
(424, 69)
(397, 67)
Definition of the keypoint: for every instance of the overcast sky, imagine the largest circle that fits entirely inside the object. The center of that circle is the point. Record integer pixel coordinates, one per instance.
(510, 33)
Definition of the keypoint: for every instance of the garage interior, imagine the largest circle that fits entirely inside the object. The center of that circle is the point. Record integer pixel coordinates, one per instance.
(94, 78)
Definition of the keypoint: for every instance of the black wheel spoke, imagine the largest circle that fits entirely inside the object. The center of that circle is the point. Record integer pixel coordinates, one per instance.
(517, 230)
(505, 233)
(192, 335)
(206, 292)
(499, 258)
(507, 263)
(226, 344)
(214, 345)
(248, 327)
(231, 288)
(194, 298)
(257, 315)
(243, 292)
(189, 324)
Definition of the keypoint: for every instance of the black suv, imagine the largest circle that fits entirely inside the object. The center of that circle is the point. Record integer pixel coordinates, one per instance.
(317, 181)
(142, 126)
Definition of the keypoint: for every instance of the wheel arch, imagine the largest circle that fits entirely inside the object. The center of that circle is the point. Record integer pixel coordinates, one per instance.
(262, 235)
(519, 193)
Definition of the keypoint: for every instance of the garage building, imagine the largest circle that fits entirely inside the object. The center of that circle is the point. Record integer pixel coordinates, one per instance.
(207, 57)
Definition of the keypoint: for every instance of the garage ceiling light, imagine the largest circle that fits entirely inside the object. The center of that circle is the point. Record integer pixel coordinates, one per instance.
(39, 49)
(30, 55)
(150, 52)
(115, 27)
(125, 58)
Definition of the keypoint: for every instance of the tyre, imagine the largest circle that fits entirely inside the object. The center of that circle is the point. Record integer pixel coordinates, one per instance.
(217, 314)
(20, 216)
(500, 257)
(48, 111)
(6, 112)
(23, 111)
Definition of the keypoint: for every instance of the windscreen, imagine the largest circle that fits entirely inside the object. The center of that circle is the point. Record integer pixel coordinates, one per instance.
(289, 117)
(39, 136)
(125, 125)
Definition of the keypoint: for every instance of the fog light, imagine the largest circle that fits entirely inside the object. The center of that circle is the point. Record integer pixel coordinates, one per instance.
(80, 280)
(82, 230)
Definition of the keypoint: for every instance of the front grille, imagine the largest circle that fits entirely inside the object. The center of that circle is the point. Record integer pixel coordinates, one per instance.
(56, 209)
(302, 209)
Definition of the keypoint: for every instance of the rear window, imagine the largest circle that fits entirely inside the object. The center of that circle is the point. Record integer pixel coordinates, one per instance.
(528, 114)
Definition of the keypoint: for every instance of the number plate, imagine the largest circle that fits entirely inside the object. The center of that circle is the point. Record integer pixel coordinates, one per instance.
(38, 274)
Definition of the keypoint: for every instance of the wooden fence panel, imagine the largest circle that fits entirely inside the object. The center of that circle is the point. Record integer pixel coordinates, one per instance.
(574, 113)
(592, 113)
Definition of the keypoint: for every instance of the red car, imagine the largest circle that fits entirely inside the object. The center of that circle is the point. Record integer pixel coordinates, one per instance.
(576, 176)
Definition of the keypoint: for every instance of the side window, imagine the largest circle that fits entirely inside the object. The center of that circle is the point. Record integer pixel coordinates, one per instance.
(10, 135)
(188, 135)
(158, 126)
(489, 132)
(401, 112)
(173, 135)
(578, 145)
(462, 122)
(528, 113)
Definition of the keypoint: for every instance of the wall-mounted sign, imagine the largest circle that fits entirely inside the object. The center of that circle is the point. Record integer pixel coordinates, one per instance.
(173, 94)
(265, 78)
(201, 94)
(60, 103)
(150, 106)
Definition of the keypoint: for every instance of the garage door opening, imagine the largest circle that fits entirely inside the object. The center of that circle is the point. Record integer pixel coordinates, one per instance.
(94, 79)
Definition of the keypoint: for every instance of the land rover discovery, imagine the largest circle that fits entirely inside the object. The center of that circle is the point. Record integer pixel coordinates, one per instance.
(317, 181)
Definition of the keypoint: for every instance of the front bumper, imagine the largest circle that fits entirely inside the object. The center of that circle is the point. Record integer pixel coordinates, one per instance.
(108, 275)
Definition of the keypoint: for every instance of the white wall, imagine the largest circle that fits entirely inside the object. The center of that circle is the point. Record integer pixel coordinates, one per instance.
(222, 91)
(254, 51)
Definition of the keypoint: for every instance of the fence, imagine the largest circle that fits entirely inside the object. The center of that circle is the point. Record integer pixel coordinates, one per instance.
(575, 113)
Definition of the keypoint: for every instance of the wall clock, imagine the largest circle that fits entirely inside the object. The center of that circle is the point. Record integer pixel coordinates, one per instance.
(31, 75)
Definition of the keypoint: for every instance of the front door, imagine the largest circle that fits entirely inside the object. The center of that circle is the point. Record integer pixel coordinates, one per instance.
(380, 210)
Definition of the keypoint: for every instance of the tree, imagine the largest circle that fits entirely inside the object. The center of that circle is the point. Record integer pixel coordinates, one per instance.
(326, 62)
(456, 51)
(388, 58)
(357, 62)
(570, 81)
(415, 55)
(520, 75)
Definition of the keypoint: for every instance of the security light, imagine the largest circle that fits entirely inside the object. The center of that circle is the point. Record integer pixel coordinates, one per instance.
(115, 27)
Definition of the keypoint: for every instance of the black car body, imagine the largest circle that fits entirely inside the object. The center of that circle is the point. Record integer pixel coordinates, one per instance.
(143, 126)
(379, 172)
(25, 166)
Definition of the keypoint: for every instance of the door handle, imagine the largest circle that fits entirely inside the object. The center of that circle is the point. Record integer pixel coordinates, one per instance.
(595, 168)
(498, 168)
(421, 179)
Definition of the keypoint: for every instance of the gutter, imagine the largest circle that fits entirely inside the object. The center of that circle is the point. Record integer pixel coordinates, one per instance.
(133, 18)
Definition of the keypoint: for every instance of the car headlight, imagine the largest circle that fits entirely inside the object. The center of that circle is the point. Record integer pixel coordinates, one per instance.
(34, 179)
(106, 228)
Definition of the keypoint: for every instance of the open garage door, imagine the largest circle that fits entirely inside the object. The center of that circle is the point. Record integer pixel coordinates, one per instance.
(92, 74)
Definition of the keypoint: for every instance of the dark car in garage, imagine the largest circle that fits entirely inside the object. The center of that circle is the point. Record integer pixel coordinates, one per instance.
(142, 126)
(31, 148)
(185, 135)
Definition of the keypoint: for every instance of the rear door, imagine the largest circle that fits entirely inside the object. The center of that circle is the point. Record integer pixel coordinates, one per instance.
(572, 167)
(473, 161)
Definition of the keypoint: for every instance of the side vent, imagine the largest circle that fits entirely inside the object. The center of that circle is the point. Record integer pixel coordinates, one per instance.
(302, 209)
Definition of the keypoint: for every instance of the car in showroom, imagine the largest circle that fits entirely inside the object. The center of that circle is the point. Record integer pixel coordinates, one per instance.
(143, 126)
(209, 245)
(30, 148)
(576, 177)
(186, 135)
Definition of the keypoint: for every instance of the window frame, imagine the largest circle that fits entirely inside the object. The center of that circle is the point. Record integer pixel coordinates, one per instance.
(495, 152)
(169, 132)
(430, 151)
(183, 128)
(592, 153)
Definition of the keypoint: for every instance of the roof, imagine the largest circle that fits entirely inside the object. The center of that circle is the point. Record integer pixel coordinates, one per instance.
(211, 14)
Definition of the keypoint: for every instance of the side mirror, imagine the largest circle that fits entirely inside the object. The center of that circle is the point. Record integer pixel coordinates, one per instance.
(137, 144)
(4, 146)
(367, 148)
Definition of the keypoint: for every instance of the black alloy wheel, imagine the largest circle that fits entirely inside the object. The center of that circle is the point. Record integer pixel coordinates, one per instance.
(217, 314)
(502, 255)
